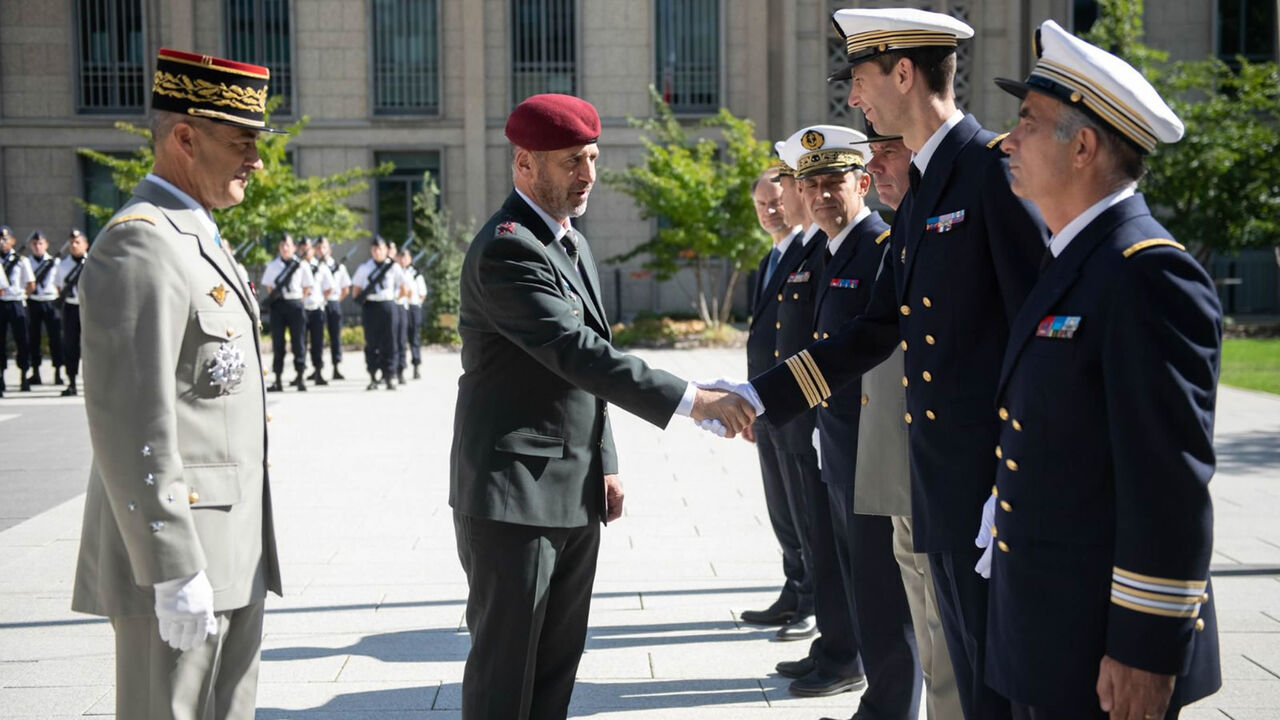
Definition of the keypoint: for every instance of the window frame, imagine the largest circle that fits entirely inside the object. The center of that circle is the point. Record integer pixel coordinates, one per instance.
(441, 59)
(1217, 34)
(147, 63)
(436, 149)
(576, 6)
(721, 69)
(82, 179)
(291, 111)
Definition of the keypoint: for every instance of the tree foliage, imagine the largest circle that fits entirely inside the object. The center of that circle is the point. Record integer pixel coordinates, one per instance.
(1218, 189)
(444, 244)
(276, 199)
(699, 187)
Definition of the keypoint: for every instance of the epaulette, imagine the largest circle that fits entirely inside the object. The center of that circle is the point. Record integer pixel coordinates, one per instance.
(883, 235)
(1153, 242)
(996, 140)
(129, 218)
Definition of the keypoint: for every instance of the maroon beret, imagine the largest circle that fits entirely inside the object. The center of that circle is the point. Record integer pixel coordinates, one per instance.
(551, 122)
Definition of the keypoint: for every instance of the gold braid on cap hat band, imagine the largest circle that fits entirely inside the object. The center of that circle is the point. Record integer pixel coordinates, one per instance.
(183, 87)
(824, 159)
(886, 40)
(1111, 109)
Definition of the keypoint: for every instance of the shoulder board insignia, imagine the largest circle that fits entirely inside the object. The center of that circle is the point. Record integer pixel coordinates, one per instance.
(506, 228)
(996, 140)
(882, 237)
(1153, 242)
(129, 218)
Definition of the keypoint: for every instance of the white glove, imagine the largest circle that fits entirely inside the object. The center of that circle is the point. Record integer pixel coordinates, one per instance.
(983, 540)
(184, 608)
(740, 387)
(714, 427)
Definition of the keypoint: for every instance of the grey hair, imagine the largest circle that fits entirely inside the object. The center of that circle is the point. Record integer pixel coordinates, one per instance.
(1128, 165)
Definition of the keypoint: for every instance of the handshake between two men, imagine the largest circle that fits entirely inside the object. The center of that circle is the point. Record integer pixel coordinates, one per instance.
(726, 407)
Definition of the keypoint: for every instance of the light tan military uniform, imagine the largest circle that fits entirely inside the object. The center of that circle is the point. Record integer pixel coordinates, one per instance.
(177, 419)
(884, 488)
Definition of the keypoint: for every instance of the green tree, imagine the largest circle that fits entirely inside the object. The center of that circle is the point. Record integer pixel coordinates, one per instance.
(444, 245)
(275, 201)
(1218, 189)
(700, 189)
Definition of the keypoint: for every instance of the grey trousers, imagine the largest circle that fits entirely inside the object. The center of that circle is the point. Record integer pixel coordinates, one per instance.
(942, 698)
(215, 681)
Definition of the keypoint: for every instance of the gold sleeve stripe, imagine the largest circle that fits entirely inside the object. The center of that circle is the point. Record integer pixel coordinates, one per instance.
(883, 235)
(824, 390)
(1185, 613)
(130, 218)
(802, 379)
(996, 140)
(1157, 597)
(1153, 242)
(1150, 582)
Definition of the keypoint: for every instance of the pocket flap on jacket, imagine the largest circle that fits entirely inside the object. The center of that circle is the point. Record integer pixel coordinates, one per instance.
(527, 443)
(212, 485)
(219, 323)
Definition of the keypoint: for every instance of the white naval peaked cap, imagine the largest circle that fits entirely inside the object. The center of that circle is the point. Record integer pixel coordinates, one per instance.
(871, 32)
(1102, 85)
(785, 168)
(818, 149)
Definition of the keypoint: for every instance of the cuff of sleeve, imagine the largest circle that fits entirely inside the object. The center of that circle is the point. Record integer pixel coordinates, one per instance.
(748, 391)
(685, 407)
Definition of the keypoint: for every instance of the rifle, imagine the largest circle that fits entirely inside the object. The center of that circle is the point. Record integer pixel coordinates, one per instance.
(69, 285)
(375, 279)
(277, 285)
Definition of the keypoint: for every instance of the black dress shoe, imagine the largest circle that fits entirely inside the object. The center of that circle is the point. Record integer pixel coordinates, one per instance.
(57, 376)
(373, 385)
(391, 384)
(35, 378)
(796, 668)
(337, 375)
(804, 627)
(276, 386)
(71, 390)
(319, 380)
(821, 684)
(780, 612)
(400, 378)
(417, 375)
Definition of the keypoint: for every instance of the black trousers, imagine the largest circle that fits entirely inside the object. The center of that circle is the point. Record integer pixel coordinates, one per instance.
(13, 319)
(414, 331)
(1035, 712)
(379, 344)
(962, 608)
(315, 336)
(835, 651)
(882, 618)
(43, 318)
(529, 595)
(333, 318)
(786, 518)
(399, 327)
(288, 315)
(71, 338)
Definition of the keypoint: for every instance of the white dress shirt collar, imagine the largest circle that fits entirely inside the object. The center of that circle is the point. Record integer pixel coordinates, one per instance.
(556, 228)
(922, 158)
(202, 211)
(809, 232)
(785, 242)
(1059, 242)
(833, 244)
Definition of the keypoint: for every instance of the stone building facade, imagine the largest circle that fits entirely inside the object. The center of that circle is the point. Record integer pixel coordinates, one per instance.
(69, 69)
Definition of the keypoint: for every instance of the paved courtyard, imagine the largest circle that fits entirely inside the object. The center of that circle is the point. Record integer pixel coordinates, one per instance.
(371, 625)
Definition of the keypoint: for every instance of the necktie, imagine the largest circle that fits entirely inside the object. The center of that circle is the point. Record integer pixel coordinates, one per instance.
(913, 178)
(774, 257)
(570, 242)
(217, 237)
(1045, 259)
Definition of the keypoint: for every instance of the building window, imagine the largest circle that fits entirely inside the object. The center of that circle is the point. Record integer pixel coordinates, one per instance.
(687, 34)
(1247, 28)
(406, 57)
(97, 188)
(1083, 14)
(258, 32)
(544, 51)
(112, 62)
(394, 192)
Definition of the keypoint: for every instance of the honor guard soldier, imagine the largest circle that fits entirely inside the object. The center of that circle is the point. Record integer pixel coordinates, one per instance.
(884, 467)
(795, 601)
(832, 664)
(313, 307)
(42, 309)
(533, 469)
(1101, 603)
(69, 297)
(288, 282)
(333, 304)
(834, 184)
(177, 547)
(964, 254)
(377, 284)
(17, 281)
(397, 319)
(415, 295)
(403, 259)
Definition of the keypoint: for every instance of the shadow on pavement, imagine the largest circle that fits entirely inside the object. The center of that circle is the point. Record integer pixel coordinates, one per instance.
(1248, 452)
